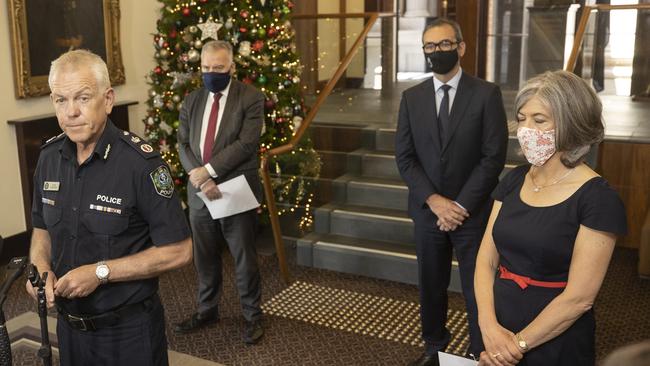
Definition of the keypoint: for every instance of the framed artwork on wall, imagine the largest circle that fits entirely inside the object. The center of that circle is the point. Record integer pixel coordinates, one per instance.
(41, 30)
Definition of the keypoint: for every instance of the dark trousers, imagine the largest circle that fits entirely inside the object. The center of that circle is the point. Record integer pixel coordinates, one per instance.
(138, 340)
(209, 239)
(434, 253)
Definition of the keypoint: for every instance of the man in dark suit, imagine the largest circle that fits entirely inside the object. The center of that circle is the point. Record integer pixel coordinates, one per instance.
(218, 137)
(450, 148)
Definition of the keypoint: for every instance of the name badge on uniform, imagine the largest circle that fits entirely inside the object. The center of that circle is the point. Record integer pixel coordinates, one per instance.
(51, 186)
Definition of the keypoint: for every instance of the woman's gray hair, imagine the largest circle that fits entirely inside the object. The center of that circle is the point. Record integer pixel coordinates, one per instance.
(82, 58)
(575, 109)
(212, 46)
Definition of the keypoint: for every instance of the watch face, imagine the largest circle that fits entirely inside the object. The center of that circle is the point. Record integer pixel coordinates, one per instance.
(102, 271)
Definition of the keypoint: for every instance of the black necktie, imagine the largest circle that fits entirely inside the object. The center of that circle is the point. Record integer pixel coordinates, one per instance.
(443, 115)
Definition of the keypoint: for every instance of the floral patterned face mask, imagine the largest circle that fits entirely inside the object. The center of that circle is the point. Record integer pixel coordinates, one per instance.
(538, 146)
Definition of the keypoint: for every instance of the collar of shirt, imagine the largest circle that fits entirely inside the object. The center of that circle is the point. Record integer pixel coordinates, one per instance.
(110, 135)
(453, 82)
(224, 93)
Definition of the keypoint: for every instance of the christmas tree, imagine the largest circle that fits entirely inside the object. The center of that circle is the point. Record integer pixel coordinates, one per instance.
(265, 56)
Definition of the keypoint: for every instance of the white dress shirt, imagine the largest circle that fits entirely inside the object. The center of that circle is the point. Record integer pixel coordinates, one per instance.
(437, 85)
(206, 118)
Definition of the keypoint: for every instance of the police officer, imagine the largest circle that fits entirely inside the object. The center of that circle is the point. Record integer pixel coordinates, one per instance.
(106, 223)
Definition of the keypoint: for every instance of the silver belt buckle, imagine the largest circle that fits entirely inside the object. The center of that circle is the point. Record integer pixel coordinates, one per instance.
(78, 319)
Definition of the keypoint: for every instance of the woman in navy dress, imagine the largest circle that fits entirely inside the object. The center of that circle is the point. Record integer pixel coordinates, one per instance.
(551, 233)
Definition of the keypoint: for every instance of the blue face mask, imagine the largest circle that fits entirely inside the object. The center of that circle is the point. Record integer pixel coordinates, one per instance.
(216, 81)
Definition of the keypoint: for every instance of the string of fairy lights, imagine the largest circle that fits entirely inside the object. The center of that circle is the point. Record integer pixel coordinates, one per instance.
(265, 57)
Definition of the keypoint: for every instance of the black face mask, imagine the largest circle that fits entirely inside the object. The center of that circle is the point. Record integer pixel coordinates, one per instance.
(216, 81)
(441, 62)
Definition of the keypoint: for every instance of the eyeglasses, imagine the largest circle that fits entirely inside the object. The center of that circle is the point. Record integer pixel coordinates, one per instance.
(444, 45)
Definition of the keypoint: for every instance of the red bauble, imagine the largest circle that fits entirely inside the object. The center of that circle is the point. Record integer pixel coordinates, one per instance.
(279, 120)
(243, 30)
(290, 4)
(271, 32)
(178, 182)
(203, 1)
(269, 104)
(165, 44)
(247, 80)
(157, 70)
(172, 33)
(258, 45)
(187, 12)
(244, 14)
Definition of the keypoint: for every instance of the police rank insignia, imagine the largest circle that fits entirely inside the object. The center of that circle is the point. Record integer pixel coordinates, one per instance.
(162, 181)
(146, 148)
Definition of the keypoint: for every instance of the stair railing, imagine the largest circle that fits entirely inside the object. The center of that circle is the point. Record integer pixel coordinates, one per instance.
(283, 149)
(582, 27)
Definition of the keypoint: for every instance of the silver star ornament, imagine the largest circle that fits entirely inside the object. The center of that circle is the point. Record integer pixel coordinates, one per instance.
(209, 29)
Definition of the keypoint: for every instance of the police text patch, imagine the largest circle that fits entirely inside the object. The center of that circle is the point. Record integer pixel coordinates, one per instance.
(162, 181)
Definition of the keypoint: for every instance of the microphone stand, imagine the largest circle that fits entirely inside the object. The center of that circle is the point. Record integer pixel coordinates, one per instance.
(18, 266)
(45, 351)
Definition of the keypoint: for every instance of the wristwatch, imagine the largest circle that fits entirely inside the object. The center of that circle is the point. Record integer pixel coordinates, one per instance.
(102, 272)
(521, 342)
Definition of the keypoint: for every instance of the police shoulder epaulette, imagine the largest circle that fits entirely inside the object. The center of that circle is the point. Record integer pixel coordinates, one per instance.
(53, 139)
(140, 145)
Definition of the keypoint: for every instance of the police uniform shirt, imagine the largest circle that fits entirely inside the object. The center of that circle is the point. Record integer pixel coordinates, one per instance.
(118, 202)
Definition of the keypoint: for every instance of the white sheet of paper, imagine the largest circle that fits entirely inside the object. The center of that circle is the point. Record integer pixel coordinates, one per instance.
(447, 359)
(236, 197)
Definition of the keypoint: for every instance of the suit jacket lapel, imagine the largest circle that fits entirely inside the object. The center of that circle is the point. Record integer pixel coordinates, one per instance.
(431, 113)
(226, 117)
(459, 107)
(197, 122)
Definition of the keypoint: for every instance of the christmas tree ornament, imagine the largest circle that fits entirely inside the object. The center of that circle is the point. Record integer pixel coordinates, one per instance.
(176, 98)
(261, 32)
(271, 32)
(243, 29)
(261, 79)
(158, 101)
(186, 12)
(193, 55)
(245, 48)
(157, 70)
(228, 24)
(209, 29)
(193, 29)
(198, 44)
(297, 121)
(244, 14)
(258, 45)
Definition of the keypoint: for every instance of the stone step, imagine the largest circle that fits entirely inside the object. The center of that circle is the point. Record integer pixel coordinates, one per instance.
(364, 223)
(372, 192)
(375, 164)
(370, 258)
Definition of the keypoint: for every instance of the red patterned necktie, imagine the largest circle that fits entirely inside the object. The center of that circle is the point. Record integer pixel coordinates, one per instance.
(212, 129)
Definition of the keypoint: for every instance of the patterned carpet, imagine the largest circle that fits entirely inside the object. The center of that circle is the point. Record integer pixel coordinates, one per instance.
(622, 315)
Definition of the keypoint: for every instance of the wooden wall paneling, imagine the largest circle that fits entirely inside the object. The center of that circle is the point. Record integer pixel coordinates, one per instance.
(307, 44)
(625, 166)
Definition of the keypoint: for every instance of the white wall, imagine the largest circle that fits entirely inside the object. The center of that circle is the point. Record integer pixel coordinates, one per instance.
(137, 24)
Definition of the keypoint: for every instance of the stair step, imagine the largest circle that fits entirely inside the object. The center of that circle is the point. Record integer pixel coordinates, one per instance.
(371, 192)
(364, 223)
(377, 164)
(370, 258)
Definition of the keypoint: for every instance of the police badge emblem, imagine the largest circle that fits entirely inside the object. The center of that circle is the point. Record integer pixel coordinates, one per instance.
(162, 181)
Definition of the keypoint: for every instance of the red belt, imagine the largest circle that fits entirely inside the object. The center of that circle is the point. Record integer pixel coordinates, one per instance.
(524, 282)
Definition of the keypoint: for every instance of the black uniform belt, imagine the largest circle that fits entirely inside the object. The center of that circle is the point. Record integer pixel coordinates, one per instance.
(107, 319)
